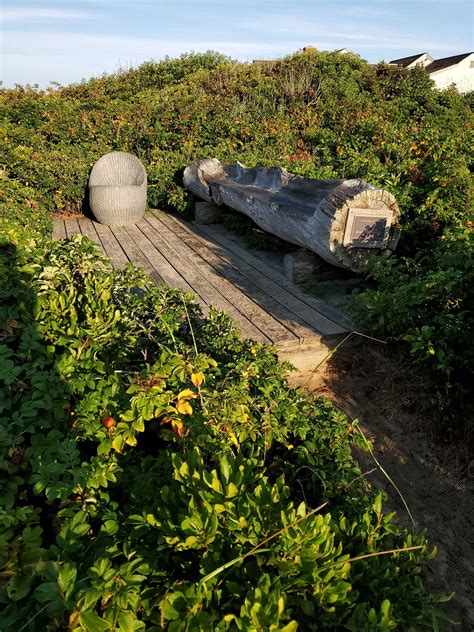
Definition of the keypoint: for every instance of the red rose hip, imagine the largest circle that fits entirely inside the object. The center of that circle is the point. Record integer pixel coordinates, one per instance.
(108, 422)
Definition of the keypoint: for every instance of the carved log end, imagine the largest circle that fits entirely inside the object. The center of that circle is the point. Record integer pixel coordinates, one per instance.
(197, 175)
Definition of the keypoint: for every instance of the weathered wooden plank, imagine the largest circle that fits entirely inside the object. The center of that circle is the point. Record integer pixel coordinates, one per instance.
(267, 279)
(111, 245)
(306, 356)
(245, 287)
(135, 254)
(186, 264)
(88, 229)
(142, 253)
(59, 231)
(208, 263)
(160, 262)
(72, 227)
(252, 320)
(312, 310)
(268, 315)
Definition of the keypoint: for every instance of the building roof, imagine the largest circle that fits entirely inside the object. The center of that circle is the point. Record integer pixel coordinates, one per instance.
(446, 62)
(406, 61)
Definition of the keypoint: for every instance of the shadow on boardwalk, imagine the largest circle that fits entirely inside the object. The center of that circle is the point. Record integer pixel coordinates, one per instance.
(220, 271)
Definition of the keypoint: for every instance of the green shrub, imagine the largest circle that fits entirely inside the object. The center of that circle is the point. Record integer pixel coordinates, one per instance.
(318, 114)
(428, 301)
(218, 498)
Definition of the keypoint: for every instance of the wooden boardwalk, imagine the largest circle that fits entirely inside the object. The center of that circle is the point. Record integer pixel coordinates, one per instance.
(210, 263)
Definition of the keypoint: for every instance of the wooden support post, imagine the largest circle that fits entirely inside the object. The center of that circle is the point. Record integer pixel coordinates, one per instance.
(207, 213)
(300, 265)
(303, 264)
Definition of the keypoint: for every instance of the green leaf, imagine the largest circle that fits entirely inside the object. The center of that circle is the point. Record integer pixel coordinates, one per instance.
(129, 415)
(224, 468)
(128, 622)
(110, 527)
(93, 623)
(117, 443)
(130, 438)
(385, 607)
(105, 446)
(19, 586)
(184, 469)
(89, 598)
(138, 424)
(378, 504)
(216, 484)
(168, 606)
(66, 578)
(232, 491)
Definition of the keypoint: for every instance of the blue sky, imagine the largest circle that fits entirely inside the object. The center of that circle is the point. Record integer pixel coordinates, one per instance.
(65, 41)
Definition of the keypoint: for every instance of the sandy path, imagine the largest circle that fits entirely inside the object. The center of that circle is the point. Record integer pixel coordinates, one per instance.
(431, 475)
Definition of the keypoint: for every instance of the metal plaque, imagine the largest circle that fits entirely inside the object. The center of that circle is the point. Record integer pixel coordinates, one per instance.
(367, 228)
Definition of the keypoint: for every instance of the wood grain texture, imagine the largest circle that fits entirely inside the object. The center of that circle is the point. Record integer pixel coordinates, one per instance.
(111, 245)
(308, 212)
(224, 294)
(270, 281)
(59, 230)
(200, 279)
(208, 262)
(72, 227)
(263, 310)
(88, 229)
(220, 235)
(136, 254)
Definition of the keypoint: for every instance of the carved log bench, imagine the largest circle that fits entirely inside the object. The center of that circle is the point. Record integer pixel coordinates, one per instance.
(342, 221)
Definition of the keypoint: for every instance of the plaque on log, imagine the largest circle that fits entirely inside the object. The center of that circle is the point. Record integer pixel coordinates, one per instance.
(366, 228)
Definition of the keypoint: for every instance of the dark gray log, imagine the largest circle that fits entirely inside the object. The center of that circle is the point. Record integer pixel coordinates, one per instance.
(343, 221)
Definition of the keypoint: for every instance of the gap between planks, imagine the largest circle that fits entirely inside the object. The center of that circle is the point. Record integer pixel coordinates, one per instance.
(214, 268)
(59, 230)
(99, 234)
(179, 257)
(276, 280)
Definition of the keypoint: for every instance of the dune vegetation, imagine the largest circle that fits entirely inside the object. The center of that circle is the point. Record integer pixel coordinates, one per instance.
(158, 472)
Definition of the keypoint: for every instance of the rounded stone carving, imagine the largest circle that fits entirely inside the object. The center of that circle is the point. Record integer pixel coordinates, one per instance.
(117, 189)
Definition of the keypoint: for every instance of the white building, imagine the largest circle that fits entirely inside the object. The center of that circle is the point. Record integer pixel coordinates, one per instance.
(457, 70)
(422, 59)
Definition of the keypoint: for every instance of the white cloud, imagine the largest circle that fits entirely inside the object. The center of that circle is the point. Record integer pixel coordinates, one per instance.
(69, 57)
(30, 13)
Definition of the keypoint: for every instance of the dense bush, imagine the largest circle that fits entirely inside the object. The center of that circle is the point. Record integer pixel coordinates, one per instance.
(157, 471)
(428, 301)
(318, 114)
(217, 497)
